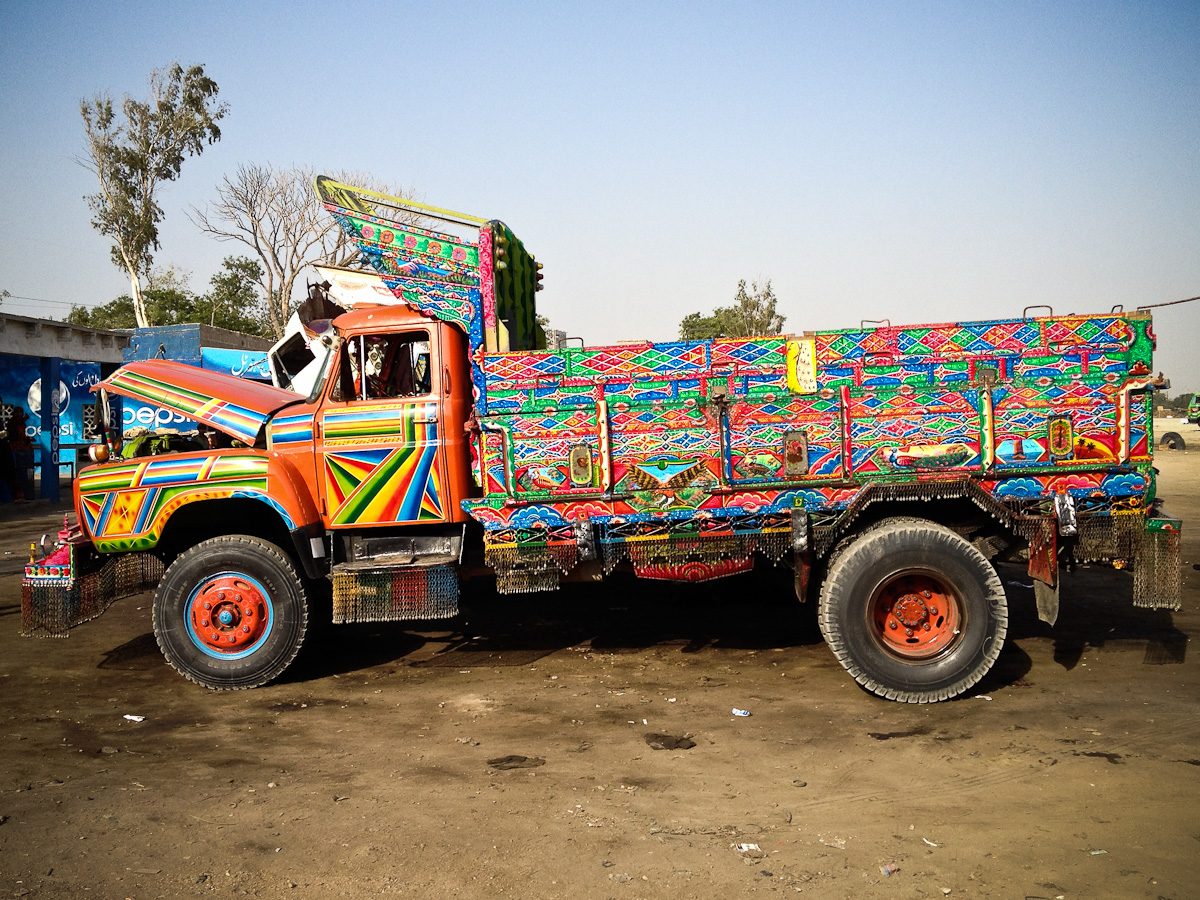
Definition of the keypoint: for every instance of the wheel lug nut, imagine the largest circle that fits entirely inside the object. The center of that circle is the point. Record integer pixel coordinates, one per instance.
(892, 624)
(204, 623)
(246, 628)
(927, 594)
(908, 631)
(221, 595)
(214, 636)
(207, 605)
(926, 626)
(933, 611)
(249, 610)
(237, 598)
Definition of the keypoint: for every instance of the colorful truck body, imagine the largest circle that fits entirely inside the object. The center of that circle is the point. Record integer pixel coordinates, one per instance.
(893, 463)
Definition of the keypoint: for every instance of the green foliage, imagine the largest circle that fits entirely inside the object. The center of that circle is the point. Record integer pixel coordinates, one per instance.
(114, 315)
(1178, 402)
(231, 302)
(753, 312)
(696, 327)
(751, 315)
(132, 152)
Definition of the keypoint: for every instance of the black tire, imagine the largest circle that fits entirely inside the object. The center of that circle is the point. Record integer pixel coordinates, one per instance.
(912, 611)
(1172, 440)
(231, 613)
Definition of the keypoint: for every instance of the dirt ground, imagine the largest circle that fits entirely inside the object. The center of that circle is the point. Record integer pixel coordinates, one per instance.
(1072, 772)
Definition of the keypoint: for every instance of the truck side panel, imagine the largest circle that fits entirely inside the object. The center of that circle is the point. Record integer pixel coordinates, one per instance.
(654, 429)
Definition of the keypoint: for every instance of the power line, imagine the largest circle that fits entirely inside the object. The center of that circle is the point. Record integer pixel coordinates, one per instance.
(40, 300)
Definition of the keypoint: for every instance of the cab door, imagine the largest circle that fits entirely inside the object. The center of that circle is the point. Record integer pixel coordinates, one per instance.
(380, 459)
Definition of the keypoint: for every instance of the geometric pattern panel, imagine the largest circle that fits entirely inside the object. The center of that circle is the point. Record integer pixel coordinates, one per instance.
(900, 401)
(383, 464)
(403, 484)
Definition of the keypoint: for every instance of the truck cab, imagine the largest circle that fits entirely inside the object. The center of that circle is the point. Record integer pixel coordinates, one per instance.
(383, 441)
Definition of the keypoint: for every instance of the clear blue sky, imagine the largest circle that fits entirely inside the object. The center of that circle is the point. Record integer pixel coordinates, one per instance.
(912, 161)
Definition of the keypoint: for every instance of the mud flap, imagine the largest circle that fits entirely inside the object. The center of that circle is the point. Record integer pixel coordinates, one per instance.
(1157, 581)
(802, 558)
(803, 565)
(1047, 601)
(395, 595)
(1043, 569)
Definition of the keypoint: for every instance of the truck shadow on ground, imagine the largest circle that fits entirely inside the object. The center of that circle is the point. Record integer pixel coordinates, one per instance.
(620, 615)
(136, 655)
(1095, 611)
(756, 611)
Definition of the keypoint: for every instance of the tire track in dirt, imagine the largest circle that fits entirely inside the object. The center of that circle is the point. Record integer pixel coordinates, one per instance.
(1173, 741)
(1167, 741)
(956, 786)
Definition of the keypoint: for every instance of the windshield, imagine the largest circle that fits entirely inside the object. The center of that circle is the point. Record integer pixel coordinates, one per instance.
(300, 359)
(326, 350)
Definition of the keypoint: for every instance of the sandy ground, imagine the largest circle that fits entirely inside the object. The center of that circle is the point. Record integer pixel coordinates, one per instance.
(1072, 772)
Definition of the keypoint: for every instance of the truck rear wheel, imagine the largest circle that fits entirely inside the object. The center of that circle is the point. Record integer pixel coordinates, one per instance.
(230, 613)
(913, 611)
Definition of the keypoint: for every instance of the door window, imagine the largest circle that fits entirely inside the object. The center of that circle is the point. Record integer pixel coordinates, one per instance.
(378, 366)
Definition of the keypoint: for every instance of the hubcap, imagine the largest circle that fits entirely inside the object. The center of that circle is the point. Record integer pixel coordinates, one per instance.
(916, 616)
(229, 615)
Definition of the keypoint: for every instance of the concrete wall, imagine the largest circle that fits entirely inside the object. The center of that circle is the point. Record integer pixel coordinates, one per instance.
(24, 336)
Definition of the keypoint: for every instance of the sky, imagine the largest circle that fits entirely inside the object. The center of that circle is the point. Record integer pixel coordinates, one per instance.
(917, 162)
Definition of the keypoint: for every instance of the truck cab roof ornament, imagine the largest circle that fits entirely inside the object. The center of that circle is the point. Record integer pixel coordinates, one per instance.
(484, 280)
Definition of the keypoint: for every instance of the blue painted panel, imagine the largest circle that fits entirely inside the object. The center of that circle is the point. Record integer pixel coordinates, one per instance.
(238, 363)
(21, 386)
(178, 342)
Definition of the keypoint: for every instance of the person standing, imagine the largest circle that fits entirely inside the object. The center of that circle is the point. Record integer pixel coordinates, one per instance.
(8, 466)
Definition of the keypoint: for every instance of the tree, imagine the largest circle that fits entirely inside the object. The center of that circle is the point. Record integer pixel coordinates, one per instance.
(132, 153)
(752, 314)
(696, 327)
(232, 301)
(276, 213)
(166, 299)
(114, 315)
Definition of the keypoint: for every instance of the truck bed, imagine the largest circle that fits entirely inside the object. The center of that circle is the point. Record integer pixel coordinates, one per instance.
(1026, 407)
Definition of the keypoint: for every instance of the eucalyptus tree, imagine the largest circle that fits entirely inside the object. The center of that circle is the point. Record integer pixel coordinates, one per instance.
(133, 148)
(752, 314)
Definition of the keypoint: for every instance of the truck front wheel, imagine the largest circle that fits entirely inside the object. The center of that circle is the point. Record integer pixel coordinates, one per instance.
(913, 611)
(230, 613)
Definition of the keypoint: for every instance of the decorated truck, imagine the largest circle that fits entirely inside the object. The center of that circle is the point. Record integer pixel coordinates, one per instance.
(420, 434)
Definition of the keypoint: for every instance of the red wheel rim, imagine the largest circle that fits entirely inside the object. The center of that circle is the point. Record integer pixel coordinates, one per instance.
(229, 615)
(916, 616)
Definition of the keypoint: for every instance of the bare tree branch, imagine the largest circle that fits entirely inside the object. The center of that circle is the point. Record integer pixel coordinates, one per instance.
(276, 213)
